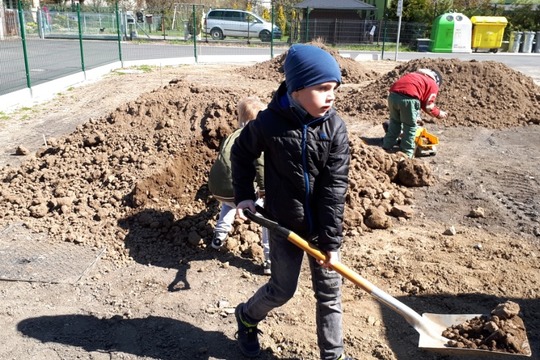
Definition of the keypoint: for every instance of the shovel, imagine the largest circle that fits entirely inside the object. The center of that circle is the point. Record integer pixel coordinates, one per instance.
(429, 326)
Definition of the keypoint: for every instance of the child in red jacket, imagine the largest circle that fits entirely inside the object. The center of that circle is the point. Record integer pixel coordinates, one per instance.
(409, 95)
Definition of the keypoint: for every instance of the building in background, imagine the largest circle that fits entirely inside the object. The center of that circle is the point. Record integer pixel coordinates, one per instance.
(336, 22)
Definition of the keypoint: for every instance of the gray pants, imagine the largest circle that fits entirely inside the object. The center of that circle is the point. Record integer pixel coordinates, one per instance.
(286, 261)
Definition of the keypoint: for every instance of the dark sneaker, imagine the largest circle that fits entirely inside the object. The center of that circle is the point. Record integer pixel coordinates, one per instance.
(267, 270)
(247, 335)
(218, 241)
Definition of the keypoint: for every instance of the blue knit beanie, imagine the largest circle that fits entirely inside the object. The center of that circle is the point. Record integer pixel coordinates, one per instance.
(308, 65)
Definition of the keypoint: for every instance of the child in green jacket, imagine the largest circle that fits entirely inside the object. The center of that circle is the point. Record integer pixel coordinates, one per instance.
(220, 179)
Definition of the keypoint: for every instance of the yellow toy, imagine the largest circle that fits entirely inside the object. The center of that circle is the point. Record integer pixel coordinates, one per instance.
(426, 143)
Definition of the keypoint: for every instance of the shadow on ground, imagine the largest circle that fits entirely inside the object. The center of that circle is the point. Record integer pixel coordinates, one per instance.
(165, 242)
(151, 337)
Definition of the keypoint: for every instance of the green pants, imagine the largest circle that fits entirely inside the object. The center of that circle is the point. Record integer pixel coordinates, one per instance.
(404, 111)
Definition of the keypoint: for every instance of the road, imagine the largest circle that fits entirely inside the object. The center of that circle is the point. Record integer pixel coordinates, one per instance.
(56, 58)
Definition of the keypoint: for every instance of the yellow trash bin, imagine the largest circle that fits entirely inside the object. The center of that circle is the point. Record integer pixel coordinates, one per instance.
(488, 32)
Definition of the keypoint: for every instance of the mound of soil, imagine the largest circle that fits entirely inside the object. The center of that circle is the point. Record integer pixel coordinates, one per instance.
(501, 331)
(487, 94)
(169, 138)
(352, 72)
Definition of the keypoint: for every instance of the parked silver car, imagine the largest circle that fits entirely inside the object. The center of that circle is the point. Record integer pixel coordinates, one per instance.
(220, 23)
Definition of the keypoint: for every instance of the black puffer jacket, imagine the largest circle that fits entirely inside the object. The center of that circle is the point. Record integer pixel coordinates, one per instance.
(306, 169)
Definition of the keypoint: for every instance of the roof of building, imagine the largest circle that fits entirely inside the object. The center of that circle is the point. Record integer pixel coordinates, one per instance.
(335, 5)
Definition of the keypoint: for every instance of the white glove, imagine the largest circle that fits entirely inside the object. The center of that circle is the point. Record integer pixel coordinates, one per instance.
(245, 204)
(442, 115)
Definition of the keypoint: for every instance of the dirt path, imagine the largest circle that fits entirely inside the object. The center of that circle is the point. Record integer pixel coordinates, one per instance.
(106, 279)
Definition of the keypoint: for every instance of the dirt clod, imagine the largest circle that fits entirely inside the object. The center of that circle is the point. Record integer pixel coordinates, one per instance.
(502, 331)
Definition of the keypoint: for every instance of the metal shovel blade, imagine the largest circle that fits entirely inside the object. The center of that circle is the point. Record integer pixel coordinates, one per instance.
(429, 326)
(442, 322)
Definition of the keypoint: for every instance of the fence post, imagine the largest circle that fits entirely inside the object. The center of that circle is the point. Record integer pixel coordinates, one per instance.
(335, 37)
(25, 51)
(272, 30)
(195, 28)
(307, 24)
(80, 38)
(40, 23)
(385, 15)
(118, 32)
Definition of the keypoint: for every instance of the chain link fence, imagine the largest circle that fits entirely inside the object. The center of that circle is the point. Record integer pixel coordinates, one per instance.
(46, 44)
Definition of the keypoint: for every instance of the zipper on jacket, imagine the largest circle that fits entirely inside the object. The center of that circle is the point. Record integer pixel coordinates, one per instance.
(307, 205)
(307, 209)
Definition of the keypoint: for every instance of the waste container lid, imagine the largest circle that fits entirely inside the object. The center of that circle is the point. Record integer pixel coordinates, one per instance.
(489, 19)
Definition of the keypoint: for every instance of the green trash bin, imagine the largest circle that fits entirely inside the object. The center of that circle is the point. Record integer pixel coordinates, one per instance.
(451, 32)
(442, 34)
(488, 32)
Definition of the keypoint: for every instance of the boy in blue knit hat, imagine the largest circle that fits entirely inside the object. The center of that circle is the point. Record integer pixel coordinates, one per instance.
(306, 156)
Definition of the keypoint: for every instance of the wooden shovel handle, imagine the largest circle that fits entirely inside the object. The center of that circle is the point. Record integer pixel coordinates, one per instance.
(309, 248)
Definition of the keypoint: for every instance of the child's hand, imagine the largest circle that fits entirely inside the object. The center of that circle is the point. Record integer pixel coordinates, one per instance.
(442, 115)
(332, 257)
(245, 204)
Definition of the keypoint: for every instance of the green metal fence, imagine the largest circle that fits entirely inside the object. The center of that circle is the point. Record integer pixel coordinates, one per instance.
(37, 47)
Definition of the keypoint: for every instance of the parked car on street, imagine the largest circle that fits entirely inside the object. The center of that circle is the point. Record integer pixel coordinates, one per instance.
(220, 23)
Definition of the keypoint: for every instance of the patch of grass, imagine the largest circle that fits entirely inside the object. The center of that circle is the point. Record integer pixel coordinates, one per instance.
(145, 68)
(23, 112)
(179, 42)
(135, 69)
(3, 116)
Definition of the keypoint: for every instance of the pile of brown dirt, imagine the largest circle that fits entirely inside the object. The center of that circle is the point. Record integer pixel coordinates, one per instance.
(487, 94)
(156, 152)
(502, 331)
(352, 72)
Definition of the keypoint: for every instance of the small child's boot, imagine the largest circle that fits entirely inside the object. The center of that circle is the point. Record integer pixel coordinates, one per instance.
(219, 240)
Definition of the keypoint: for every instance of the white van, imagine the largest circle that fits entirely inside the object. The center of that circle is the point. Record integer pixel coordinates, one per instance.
(220, 23)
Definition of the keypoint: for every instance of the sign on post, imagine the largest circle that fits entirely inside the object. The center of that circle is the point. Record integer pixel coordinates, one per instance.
(399, 13)
(399, 8)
